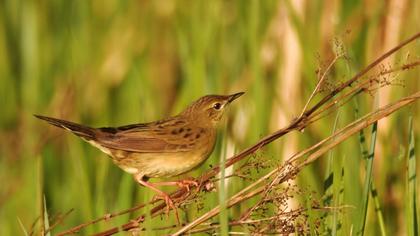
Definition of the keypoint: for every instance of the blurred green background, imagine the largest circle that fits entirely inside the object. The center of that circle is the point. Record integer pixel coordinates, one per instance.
(110, 63)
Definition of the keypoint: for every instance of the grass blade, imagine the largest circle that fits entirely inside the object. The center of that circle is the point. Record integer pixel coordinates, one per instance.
(412, 223)
(373, 191)
(46, 221)
(378, 208)
(223, 217)
(331, 192)
(368, 180)
(25, 232)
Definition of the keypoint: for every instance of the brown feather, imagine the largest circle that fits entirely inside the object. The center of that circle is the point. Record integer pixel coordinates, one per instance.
(78, 129)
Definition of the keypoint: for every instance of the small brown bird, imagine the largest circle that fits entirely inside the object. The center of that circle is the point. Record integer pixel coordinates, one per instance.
(163, 148)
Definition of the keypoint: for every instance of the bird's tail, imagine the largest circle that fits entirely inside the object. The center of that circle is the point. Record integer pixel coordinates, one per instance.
(79, 130)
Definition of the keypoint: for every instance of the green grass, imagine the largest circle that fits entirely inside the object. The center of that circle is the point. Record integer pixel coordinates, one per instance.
(333, 188)
(412, 211)
(367, 188)
(223, 216)
(117, 62)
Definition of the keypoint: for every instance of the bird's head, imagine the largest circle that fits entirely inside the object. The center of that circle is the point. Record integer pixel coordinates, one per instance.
(209, 109)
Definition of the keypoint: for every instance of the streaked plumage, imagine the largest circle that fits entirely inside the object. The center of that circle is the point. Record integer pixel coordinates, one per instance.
(162, 148)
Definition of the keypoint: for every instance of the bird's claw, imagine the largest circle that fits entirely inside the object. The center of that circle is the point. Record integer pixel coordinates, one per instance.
(169, 204)
(186, 183)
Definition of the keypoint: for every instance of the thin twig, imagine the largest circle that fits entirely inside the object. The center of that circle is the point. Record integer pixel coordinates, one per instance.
(58, 221)
(359, 125)
(103, 218)
(318, 85)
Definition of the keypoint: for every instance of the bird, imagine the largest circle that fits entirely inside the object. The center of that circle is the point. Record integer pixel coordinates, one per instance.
(159, 149)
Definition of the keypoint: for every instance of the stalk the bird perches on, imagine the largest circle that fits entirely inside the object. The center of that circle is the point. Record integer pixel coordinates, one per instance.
(163, 148)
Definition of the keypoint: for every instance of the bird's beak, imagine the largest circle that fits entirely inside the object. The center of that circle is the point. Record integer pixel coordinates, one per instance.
(234, 96)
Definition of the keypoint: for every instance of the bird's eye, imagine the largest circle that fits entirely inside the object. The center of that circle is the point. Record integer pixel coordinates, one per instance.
(217, 106)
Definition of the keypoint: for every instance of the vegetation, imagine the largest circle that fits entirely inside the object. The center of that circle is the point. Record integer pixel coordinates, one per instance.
(350, 170)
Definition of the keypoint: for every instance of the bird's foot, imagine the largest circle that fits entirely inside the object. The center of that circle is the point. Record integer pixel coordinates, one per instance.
(187, 183)
(169, 204)
(160, 195)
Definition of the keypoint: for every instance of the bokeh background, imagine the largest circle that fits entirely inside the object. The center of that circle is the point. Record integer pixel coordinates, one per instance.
(110, 63)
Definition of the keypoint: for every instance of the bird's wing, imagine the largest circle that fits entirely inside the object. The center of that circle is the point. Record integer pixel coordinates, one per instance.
(146, 138)
(142, 144)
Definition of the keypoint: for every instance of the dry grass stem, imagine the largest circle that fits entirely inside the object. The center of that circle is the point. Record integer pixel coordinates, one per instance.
(320, 83)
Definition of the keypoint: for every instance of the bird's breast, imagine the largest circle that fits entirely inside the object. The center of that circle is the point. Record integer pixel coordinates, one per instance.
(156, 165)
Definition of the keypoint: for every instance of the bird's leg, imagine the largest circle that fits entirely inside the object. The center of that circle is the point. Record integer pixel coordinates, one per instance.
(184, 183)
(160, 194)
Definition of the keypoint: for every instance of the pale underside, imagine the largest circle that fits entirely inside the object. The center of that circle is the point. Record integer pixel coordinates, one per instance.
(157, 165)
